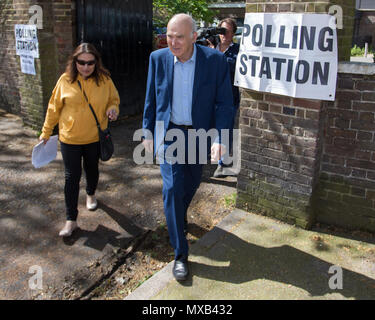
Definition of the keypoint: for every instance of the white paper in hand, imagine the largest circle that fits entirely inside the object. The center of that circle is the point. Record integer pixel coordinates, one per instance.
(44, 153)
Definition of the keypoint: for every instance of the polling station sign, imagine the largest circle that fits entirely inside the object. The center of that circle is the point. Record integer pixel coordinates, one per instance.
(26, 40)
(289, 54)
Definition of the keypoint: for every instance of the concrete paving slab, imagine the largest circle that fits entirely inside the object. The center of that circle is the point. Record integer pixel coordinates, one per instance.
(248, 256)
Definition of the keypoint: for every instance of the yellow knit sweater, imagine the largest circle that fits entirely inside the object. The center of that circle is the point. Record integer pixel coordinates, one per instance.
(69, 108)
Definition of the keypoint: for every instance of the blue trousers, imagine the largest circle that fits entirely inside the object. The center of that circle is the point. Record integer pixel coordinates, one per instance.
(180, 182)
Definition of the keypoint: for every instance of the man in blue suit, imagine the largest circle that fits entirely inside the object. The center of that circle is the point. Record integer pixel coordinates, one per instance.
(188, 87)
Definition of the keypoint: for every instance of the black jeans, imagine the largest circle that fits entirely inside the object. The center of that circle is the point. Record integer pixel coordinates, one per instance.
(72, 156)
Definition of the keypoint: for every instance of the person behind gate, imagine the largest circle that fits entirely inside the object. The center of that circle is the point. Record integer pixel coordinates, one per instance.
(230, 50)
(78, 132)
(188, 87)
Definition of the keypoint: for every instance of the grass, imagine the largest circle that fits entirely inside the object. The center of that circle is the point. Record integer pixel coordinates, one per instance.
(230, 200)
(144, 279)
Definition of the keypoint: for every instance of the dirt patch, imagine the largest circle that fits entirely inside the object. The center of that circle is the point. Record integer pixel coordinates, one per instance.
(121, 271)
(155, 252)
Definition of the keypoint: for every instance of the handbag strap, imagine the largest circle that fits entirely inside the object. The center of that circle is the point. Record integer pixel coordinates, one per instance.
(91, 108)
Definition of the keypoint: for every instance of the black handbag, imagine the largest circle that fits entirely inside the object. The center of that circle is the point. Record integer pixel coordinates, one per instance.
(105, 137)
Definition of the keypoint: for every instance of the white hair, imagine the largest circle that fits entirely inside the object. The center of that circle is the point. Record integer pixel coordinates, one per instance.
(187, 17)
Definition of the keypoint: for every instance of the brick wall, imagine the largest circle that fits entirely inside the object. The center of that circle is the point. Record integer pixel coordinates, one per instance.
(307, 161)
(25, 94)
(280, 156)
(64, 30)
(230, 12)
(9, 93)
(283, 138)
(346, 195)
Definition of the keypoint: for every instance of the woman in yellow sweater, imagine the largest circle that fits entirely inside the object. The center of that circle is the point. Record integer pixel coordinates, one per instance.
(78, 133)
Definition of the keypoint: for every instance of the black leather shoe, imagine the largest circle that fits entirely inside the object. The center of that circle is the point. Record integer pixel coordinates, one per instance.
(181, 269)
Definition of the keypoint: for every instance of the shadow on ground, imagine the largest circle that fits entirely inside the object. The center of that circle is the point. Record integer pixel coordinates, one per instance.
(285, 264)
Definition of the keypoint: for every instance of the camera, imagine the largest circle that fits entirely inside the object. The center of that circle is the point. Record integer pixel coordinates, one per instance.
(210, 34)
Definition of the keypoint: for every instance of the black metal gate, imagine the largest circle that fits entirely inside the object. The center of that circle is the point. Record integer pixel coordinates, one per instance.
(122, 31)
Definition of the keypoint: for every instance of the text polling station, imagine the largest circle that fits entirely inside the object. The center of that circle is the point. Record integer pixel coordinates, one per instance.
(289, 54)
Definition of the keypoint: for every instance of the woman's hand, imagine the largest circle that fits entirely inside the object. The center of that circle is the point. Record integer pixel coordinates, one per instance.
(43, 139)
(112, 114)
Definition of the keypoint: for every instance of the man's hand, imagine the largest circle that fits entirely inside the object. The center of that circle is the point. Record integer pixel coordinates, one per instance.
(217, 151)
(148, 144)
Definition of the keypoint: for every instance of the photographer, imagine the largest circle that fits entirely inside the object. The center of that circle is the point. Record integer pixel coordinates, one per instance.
(230, 50)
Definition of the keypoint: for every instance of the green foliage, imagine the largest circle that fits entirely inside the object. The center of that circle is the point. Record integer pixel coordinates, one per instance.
(360, 52)
(144, 279)
(230, 200)
(165, 9)
(356, 51)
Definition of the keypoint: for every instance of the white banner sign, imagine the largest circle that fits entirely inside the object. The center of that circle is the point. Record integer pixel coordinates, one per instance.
(27, 65)
(289, 54)
(26, 40)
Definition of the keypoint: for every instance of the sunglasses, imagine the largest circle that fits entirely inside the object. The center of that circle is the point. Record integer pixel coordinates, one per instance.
(82, 62)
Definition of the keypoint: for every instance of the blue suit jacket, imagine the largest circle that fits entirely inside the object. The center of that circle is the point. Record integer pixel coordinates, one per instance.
(212, 102)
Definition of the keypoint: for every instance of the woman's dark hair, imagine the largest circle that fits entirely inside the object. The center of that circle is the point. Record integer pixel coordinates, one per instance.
(99, 71)
(231, 22)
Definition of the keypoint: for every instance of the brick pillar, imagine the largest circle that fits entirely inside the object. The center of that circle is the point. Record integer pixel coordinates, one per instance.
(346, 193)
(28, 94)
(282, 136)
(9, 93)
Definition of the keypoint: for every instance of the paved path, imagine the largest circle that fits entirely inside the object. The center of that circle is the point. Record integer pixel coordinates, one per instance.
(254, 257)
